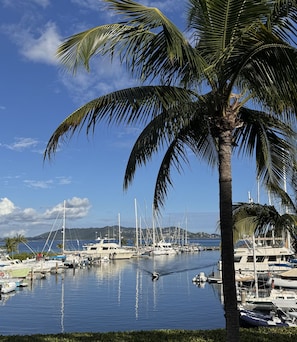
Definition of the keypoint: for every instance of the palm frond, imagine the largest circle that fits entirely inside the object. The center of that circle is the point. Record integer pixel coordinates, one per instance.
(182, 130)
(260, 219)
(218, 23)
(272, 63)
(253, 218)
(148, 43)
(173, 157)
(283, 18)
(129, 106)
(272, 141)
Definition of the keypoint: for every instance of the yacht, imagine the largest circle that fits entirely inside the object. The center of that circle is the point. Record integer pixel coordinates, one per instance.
(106, 247)
(265, 255)
(163, 248)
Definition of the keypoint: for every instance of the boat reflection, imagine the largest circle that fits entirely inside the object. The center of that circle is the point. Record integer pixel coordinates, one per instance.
(110, 269)
(129, 299)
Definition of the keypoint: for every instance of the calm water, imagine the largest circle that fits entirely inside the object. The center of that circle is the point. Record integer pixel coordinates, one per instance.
(117, 296)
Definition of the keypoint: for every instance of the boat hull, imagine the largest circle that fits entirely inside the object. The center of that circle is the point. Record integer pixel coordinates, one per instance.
(249, 318)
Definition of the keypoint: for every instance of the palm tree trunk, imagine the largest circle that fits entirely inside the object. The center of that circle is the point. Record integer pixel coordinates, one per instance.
(227, 251)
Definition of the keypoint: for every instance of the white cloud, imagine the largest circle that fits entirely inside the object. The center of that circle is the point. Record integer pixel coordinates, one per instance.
(74, 208)
(94, 5)
(64, 180)
(103, 78)
(14, 220)
(42, 49)
(6, 206)
(46, 184)
(37, 46)
(21, 144)
(38, 184)
(10, 3)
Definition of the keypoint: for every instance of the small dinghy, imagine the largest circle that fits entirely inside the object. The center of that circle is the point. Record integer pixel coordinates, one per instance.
(200, 278)
(250, 318)
(8, 287)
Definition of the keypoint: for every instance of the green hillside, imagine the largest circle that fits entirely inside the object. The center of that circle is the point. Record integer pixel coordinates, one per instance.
(113, 231)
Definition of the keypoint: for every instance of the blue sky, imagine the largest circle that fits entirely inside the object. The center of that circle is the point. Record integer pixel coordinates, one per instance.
(37, 94)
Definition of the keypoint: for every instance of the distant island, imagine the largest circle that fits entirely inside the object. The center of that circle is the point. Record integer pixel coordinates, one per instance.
(127, 234)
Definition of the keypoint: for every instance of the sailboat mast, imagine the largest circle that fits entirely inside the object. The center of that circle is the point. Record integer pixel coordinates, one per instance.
(64, 226)
(136, 225)
(120, 237)
(154, 232)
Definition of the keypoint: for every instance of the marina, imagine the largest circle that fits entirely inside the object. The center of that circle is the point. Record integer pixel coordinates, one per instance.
(118, 288)
(118, 295)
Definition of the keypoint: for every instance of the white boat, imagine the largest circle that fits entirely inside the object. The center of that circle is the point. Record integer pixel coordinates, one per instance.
(286, 305)
(191, 248)
(200, 278)
(8, 286)
(250, 300)
(286, 279)
(106, 247)
(14, 268)
(42, 265)
(163, 248)
(266, 255)
(18, 281)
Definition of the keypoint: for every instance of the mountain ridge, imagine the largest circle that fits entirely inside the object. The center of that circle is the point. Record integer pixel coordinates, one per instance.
(127, 233)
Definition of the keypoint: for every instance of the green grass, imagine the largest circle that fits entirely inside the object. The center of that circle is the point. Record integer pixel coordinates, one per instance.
(246, 335)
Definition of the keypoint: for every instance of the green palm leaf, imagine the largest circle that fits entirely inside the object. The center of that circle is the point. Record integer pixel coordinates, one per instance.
(232, 91)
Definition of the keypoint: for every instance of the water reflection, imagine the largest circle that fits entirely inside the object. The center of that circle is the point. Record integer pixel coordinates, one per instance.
(5, 297)
(110, 269)
(117, 296)
(62, 304)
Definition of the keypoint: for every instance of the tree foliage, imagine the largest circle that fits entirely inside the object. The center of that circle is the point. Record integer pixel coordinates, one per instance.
(229, 90)
(263, 220)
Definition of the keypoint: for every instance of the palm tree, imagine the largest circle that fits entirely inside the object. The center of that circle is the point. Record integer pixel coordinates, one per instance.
(10, 245)
(19, 238)
(265, 220)
(242, 60)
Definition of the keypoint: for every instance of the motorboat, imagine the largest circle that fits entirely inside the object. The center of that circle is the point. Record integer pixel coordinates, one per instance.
(106, 247)
(14, 268)
(155, 276)
(200, 278)
(264, 254)
(43, 265)
(163, 248)
(8, 286)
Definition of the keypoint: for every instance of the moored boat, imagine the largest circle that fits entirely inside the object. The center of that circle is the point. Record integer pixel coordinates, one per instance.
(106, 247)
(8, 286)
(286, 279)
(265, 302)
(163, 248)
(250, 318)
(200, 278)
(269, 256)
(13, 268)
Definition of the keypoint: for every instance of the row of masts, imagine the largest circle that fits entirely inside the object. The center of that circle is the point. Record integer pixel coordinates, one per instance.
(153, 235)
